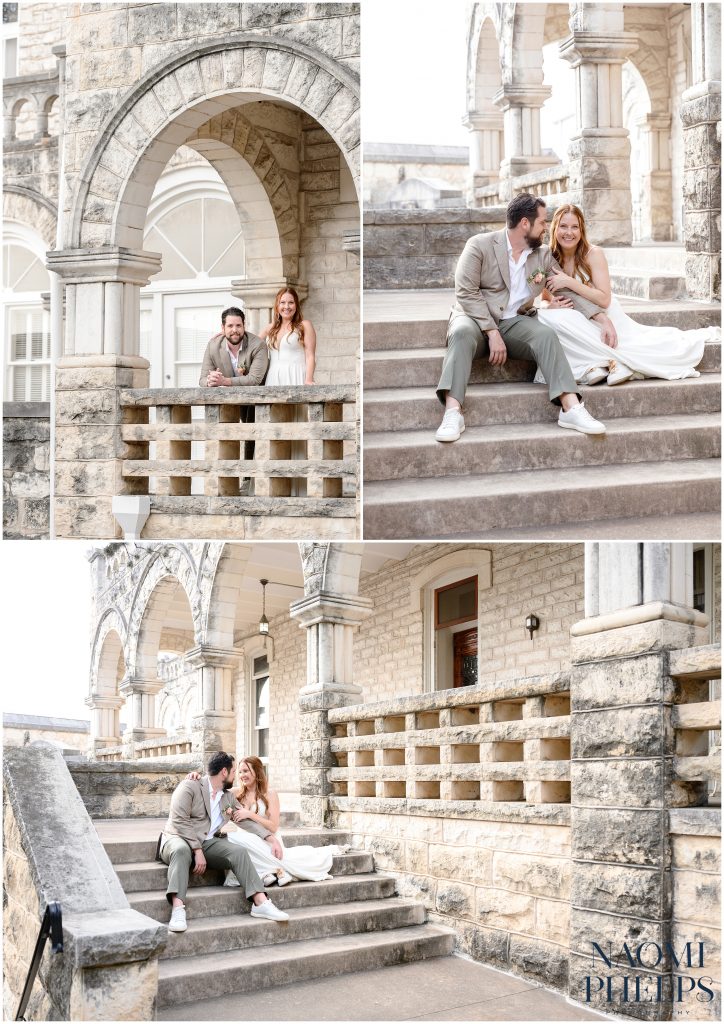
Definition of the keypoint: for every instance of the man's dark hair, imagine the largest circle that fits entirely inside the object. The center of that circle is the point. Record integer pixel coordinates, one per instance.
(524, 205)
(232, 311)
(217, 763)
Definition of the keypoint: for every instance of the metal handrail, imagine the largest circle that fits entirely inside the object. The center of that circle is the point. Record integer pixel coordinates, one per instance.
(52, 926)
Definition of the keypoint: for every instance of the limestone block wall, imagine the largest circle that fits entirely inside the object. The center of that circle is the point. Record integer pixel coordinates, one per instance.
(503, 885)
(130, 789)
(420, 248)
(26, 470)
(41, 26)
(696, 884)
(546, 579)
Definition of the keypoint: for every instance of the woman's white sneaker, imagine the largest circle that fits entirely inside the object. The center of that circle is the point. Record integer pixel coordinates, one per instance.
(452, 426)
(578, 418)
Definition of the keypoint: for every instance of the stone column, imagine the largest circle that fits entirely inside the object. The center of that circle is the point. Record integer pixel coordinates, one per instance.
(621, 762)
(100, 358)
(330, 621)
(657, 178)
(701, 117)
(213, 728)
(258, 299)
(521, 127)
(486, 148)
(105, 721)
(599, 171)
(141, 696)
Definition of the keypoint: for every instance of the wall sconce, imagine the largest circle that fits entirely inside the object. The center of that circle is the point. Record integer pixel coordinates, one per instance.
(532, 623)
(263, 621)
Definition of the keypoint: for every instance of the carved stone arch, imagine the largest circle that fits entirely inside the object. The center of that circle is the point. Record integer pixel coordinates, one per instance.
(168, 703)
(524, 30)
(110, 642)
(483, 71)
(170, 102)
(331, 568)
(221, 610)
(35, 211)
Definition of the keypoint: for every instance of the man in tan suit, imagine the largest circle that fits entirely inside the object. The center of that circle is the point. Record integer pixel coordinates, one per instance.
(498, 276)
(192, 836)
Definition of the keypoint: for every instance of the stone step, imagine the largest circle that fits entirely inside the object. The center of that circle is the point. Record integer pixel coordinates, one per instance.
(184, 979)
(421, 368)
(430, 333)
(217, 901)
(214, 934)
(125, 851)
(511, 447)
(143, 876)
(475, 505)
(644, 284)
(402, 409)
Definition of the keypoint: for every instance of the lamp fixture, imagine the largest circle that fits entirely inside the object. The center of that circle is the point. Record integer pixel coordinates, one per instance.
(263, 621)
(532, 623)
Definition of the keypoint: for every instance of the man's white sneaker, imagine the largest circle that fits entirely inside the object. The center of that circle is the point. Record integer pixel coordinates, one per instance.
(269, 912)
(578, 418)
(178, 920)
(452, 426)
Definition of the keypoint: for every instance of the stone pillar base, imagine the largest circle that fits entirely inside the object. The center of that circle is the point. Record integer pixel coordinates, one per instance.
(89, 451)
(598, 181)
(315, 752)
(701, 118)
(212, 732)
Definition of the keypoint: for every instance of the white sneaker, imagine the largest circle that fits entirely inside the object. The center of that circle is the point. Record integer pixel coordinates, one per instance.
(178, 920)
(578, 418)
(231, 881)
(284, 878)
(539, 378)
(269, 879)
(619, 375)
(594, 376)
(452, 426)
(269, 912)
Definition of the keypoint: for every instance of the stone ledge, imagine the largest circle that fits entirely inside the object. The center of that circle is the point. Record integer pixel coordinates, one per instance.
(111, 937)
(478, 810)
(26, 410)
(695, 821)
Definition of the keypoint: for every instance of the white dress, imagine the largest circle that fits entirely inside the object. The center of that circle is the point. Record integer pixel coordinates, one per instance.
(308, 863)
(664, 352)
(287, 363)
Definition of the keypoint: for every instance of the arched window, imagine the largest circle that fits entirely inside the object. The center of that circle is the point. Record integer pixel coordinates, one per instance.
(27, 323)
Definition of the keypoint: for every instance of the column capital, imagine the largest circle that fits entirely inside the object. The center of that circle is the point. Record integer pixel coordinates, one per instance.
(521, 95)
(475, 122)
(132, 684)
(328, 607)
(219, 657)
(114, 701)
(596, 48)
(107, 263)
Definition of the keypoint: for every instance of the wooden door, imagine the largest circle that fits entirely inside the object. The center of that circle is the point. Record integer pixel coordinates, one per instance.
(465, 657)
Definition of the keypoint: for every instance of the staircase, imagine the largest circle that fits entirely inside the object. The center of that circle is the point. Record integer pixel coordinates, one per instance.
(352, 922)
(514, 473)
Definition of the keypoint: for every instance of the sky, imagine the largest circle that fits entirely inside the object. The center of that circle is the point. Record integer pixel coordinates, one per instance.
(414, 84)
(45, 611)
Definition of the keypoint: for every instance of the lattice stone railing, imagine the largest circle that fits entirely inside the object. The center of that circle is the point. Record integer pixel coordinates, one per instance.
(697, 723)
(158, 747)
(467, 747)
(305, 441)
(549, 181)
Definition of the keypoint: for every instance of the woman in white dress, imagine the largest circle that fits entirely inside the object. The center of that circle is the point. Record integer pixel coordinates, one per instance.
(261, 804)
(664, 352)
(292, 342)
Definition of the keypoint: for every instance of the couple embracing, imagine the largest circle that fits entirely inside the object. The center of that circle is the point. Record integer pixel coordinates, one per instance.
(552, 306)
(196, 837)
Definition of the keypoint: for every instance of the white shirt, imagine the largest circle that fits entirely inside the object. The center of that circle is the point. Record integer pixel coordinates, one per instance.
(234, 358)
(519, 287)
(217, 818)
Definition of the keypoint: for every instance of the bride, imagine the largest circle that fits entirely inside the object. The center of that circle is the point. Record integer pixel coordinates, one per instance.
(261, 804)
(664, 352)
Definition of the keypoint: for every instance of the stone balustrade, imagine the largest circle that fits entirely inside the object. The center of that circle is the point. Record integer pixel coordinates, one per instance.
(39, 91)
(304, 462)
(696, 719)
(456, 751)
(544, 182)
(174, 746)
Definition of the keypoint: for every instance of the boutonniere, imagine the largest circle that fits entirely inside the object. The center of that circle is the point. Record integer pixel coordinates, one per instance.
(537, 277)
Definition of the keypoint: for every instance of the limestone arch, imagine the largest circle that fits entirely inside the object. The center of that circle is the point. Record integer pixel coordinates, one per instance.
(35, 211)
(221, 610)
(170, 102)
(155, 614)
(484, 75)
(107, 652)
(331, 568)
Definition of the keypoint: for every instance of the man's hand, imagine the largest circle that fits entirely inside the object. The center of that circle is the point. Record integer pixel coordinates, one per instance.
(498, 351)
(608, 331)
(200, 865)
(275, 846)
(560, 302)
(193, 776)
(216, 379)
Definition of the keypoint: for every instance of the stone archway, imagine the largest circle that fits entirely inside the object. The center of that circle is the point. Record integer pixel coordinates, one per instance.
(483, 118)
(26, 206)
(108, 668)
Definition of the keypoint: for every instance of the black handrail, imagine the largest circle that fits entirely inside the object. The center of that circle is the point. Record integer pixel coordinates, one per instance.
(52, 926)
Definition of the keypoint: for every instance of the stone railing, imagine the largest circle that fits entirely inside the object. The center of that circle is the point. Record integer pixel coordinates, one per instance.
(171, 746)
(549, 181)
(456, 751)
(696, 718)
(39, 91)
(130, 788)
(318, 419)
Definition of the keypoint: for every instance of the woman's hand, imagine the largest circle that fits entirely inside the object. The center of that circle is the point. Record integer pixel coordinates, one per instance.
(242, 814)
(558, 280)
(193, 776)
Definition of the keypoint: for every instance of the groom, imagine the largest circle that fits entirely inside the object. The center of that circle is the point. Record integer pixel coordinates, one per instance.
(192, 836)
(498, 276)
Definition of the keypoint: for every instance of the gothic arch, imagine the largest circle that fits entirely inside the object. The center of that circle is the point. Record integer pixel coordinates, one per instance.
(170, 103)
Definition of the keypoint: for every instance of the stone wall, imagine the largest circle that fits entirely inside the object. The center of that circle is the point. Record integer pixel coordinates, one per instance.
(26, 470)
(420, 248)
(130, 789)
(41, 26)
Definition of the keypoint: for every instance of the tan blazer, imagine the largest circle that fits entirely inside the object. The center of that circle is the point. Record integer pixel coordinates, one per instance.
(190, 813)
(253, 360)
(482, 280)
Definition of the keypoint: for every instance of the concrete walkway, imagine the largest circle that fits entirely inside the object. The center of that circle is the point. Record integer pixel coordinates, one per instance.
(449, 988)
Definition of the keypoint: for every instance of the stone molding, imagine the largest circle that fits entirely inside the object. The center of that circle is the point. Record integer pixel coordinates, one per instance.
(104, 264)
(651, 612)
(478, 559)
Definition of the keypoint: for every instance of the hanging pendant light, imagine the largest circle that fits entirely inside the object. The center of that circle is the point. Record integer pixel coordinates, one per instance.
(263, 621)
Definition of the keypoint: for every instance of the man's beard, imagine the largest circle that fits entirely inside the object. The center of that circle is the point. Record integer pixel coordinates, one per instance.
(534, 243)
(227, 785)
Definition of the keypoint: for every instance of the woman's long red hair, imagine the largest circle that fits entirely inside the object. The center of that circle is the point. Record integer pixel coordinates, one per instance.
(581, 266)
(273, 335)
